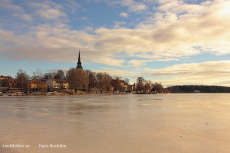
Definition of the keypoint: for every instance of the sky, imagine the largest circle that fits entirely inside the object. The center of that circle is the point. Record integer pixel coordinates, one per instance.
(174, 42)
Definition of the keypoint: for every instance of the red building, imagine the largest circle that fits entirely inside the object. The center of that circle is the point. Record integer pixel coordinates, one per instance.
(7, 81)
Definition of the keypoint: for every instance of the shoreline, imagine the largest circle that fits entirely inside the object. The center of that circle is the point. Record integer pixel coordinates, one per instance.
(78, 94)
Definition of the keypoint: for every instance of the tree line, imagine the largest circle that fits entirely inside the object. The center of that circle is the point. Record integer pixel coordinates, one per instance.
(80, 79)
(198, 88)
(146, 86)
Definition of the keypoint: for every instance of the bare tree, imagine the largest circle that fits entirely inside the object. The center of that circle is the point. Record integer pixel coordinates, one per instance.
(77, 79)
(115, 83)
(99, 77)
(50, 75)
(71, 76)
(103, 81)
(166, 90)
(37, 74)
(60, 75)
(42, 86)
(20, 77)
(126, 81)
(158, 87)
(107, 82)
(82, 79)
(140, 84)
(91, 79)
(147, 85)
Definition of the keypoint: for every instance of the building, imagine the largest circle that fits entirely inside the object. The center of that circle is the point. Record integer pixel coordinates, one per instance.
(132, 87)
(79, 61)
(119, 85)
(35, 85)
(124, 86)
(7, 81)
(57, 85)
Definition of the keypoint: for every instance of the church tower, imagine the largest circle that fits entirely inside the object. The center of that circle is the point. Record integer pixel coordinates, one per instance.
(79, 61)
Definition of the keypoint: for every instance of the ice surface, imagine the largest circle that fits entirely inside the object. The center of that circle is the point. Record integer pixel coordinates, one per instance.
(117, 123)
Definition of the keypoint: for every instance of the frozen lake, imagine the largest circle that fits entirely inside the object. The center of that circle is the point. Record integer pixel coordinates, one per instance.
(162, 123)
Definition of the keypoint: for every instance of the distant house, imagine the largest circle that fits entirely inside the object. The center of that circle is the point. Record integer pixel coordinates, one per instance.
(119, 85)
(196, 91)
(132, 87)
(35, 85)
(7, 81)
(124, 85)
(57, 84)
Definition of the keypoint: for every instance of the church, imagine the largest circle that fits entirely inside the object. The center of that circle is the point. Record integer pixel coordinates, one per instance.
(79, 61)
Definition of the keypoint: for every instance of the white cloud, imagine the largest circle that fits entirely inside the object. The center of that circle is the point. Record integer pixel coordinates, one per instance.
(54, 14)
(72, 5)
(84, 18)
(167, 35)
(124, 15)
(47, 10)
(6, 1)
(38, 5)
(44, 4)
(136, 7)
(6, 37)
(118, 72)
(132, 5)
(11, 7)
(88, 29)
(206, 73)
(137, 63)
(117, 25)
(24, 17)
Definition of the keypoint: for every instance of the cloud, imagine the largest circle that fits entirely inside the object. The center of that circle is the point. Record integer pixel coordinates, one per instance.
(84, 18)
(198, 26)
(7, 37)
(24, 17)
(72, 5)
(54, 14)
(124, 15)
(47, 10)
(38, 5)
(117, 72)
(44, 4)
(13, 8)
(117, 25)
(132, 5)
(6, 1)
(206, 73)
(136, 7)
(172, 33)
(137, 63)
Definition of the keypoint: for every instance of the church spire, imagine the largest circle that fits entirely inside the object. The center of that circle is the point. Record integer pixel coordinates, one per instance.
(79, 61)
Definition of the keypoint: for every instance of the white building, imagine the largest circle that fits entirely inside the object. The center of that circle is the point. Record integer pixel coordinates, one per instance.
(57, 84)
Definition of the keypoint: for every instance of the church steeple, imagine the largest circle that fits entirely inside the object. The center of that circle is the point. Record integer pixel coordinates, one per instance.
(79, 61)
